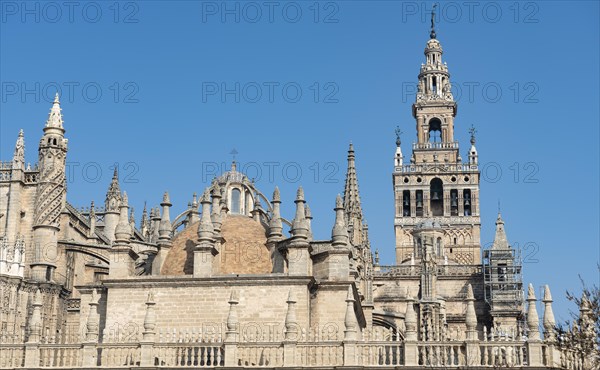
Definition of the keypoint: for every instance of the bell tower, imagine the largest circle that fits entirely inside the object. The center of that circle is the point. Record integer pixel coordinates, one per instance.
(436, 184)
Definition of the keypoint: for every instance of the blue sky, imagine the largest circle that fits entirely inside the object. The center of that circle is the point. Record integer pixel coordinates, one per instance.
(152, 86)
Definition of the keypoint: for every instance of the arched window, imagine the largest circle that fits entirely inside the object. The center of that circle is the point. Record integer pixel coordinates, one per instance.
(467, 202)
(439, 246)
(435, 130)
(236, 196)
(437, 197)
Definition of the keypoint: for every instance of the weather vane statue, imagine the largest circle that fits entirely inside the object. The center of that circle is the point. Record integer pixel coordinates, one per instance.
(398, 133)
(432, 34)
(472, 131)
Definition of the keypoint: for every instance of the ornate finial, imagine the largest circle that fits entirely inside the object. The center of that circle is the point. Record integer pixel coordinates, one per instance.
(398, 133)
(166, 200)
(56, 98)
(432, 33)
(300, 194)
(116, 172)
(124, 199)
(276, 195)
(472, 131)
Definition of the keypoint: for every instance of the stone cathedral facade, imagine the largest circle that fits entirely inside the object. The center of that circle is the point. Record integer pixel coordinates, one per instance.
(232, 282)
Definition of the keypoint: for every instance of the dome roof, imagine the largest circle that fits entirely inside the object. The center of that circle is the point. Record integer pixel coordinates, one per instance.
(243, 251)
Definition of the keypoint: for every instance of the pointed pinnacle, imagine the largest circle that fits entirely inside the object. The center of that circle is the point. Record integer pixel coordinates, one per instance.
(124, 200)
(166, 200)
(300, 194)
(470, 296)
(276, 195)
(339, 203)
(547, 295)
(530, 293)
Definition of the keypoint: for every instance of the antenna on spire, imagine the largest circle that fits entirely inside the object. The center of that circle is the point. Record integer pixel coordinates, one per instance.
(432, 33)
(398, 133)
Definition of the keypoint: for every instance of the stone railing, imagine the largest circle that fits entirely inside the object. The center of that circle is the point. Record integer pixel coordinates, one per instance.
(437, 166)
(436, 145)
(503, 354)
(394, 352)
(12, 356)
(442, 354)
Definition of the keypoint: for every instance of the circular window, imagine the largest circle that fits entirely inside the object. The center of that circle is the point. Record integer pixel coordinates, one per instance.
(453, 179)
(419, 180)
(466, 178)
(406, 180)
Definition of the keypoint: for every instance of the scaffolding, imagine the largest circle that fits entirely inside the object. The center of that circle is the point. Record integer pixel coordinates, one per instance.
(503, 282)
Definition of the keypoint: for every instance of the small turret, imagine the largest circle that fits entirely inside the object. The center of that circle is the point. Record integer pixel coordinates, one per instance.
(164, 230)
(398, 157)
(275, 225)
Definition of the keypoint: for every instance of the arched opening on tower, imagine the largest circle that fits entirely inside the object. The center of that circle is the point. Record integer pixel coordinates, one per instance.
(467, 202)
(436, 197)
(236, 196)
(435, 130)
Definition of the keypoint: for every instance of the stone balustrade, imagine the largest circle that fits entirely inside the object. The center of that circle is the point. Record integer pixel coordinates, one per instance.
(391, 352)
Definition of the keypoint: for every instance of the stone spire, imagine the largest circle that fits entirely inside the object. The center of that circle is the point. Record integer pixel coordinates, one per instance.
(533, 321)
(352, 204)
(471, 317)
(113, 195)
(549, 323)
(215, 215)
(154, 224)
(19, 155)
(149, 319)
(339, 233)
(55, 119)
(410, 318)
(123, 230)
(164, 230)
(350, 333)
(206, 229)
(92, 220)
(145, 225)
(257, 209)
(291, 322)
(275, 225)
(500, 241)
(232, 318)
(35, 323)
(92, 327)
(132, 220)
(309, 217)
(299, 225)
